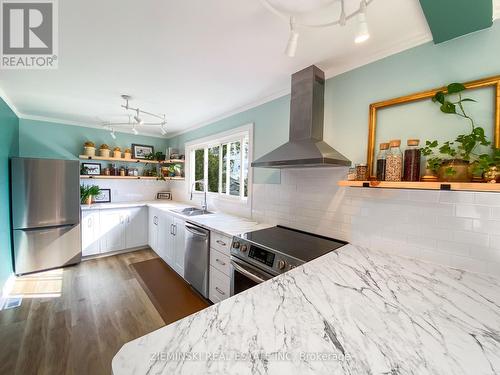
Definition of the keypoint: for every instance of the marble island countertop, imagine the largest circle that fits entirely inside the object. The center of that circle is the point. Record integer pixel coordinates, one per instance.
(354, 311)
(225, 224)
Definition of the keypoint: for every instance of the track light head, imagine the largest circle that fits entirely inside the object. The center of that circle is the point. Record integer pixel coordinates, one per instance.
(163, 131)
(134, 130)
(291, 46)
(139, 120)
(112, 133)
(363, 33)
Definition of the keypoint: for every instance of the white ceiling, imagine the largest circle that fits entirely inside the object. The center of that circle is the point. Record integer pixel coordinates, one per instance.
(194, 60)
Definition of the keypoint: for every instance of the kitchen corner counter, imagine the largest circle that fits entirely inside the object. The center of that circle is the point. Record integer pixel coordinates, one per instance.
(353, 311)
(225, 224)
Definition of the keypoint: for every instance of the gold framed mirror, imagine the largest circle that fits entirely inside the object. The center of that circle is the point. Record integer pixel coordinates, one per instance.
(375, 107)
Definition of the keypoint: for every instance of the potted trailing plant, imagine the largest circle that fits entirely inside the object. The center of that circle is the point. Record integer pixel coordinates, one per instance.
(457, 155)
(488, 165)
(433, 163)
(87, 192)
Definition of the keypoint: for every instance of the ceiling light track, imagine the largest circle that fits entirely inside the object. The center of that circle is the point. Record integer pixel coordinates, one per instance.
(361, 36)
(138, 119)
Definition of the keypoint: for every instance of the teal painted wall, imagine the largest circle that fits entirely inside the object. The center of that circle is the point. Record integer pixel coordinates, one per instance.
(348, 96)
(41, 139)
(9, 134)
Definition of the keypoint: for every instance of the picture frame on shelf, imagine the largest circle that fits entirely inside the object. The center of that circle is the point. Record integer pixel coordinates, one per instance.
(139, 152)
(91, 169)
(104, 196)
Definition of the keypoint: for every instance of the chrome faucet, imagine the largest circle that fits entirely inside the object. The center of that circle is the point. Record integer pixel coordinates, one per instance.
(204, 206)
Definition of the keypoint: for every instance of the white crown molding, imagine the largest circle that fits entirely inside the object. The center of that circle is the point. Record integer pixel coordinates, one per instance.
(253, 104)
(9, 102)
(82, 124)
(414, 41)
(496, 9)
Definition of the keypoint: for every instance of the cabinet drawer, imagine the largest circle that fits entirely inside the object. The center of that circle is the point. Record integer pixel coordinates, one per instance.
(220, 242)
(220, 261)
(219, 286)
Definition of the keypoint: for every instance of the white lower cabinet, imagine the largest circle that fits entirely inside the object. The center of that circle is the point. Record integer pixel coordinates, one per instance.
(179, 245)
(109, 230)
(219, 285)
(90, 232)
(112, 230)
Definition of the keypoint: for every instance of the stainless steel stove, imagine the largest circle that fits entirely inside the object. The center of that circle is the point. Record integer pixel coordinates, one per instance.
(260, 255)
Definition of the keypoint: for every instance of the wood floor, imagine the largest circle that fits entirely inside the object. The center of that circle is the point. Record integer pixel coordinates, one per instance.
(77, 319)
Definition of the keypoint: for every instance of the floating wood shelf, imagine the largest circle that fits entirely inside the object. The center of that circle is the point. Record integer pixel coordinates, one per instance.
(456, 186)
(122, 160)
(101, 177)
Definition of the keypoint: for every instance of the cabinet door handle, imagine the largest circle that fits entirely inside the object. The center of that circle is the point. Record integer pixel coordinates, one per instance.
(220, 291)
(220, 242)
(128, 219)
(220, 262)
(171, 229)
(175, 229)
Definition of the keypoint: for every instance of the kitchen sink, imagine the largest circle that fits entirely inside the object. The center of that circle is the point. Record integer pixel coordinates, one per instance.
(192, 211)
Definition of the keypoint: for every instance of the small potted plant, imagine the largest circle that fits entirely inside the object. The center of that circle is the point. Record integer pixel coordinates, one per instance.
(87, 192)
(89, 148)
(117, 153)
(104, 150)
(127, 153)
(489, 166)
(458, 156)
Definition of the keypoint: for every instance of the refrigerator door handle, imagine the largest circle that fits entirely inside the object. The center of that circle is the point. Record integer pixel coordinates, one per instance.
(46, 228)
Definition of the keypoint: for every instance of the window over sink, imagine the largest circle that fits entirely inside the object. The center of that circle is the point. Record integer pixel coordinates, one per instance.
(222, 160)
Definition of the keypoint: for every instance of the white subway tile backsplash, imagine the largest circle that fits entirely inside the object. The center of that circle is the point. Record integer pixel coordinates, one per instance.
(486, 226)
(495, 242)
(487, 199)
(471, 238)
(456, 197)
(472, 211)
(451, 222)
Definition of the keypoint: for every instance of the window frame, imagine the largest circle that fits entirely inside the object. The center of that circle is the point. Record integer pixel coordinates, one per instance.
(219, 139)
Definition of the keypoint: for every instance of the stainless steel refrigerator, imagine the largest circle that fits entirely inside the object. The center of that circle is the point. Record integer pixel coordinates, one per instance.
(45, 203)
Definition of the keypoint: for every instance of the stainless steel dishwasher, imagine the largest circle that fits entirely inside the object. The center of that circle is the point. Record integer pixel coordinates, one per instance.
(197, 257)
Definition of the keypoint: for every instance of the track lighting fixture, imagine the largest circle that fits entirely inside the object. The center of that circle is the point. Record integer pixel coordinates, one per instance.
(291, 46)
(138, 119)
(294, 19)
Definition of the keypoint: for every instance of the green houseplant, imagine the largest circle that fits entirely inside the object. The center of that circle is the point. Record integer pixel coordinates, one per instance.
(455, 158)
(87, 192)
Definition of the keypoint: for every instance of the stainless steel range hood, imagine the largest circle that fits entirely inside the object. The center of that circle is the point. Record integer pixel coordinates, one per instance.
(306, 147)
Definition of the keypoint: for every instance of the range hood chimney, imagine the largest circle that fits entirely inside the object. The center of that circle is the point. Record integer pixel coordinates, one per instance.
(306, 147)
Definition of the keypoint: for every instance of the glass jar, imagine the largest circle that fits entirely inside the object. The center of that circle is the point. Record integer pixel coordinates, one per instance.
(412, 161)
(361, 172)
(394, 162)
(381, 160)
(122, 171)
(351, 174)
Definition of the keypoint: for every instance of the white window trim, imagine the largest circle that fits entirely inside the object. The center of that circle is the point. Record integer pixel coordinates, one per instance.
(220, 138)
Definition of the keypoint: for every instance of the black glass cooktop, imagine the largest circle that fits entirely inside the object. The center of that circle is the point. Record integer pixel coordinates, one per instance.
(298, 244)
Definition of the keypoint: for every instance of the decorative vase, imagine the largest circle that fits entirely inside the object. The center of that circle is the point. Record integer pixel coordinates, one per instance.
(89, 151)
(127, 155)
(89, 200)
(117, 154)
(104, 152)
(492, 175)
(461, 168)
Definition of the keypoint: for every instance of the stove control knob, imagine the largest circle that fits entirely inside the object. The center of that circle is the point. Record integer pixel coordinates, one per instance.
(236, 245)
(243, 248)
(281, 264)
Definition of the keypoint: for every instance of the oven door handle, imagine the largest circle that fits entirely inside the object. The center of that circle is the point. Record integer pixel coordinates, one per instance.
(247, 273)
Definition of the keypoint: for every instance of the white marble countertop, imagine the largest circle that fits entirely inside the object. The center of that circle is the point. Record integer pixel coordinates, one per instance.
(354, 311)
(229, 225)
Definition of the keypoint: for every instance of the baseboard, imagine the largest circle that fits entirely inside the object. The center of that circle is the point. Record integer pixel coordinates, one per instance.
(7, 288)
(117, 252)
